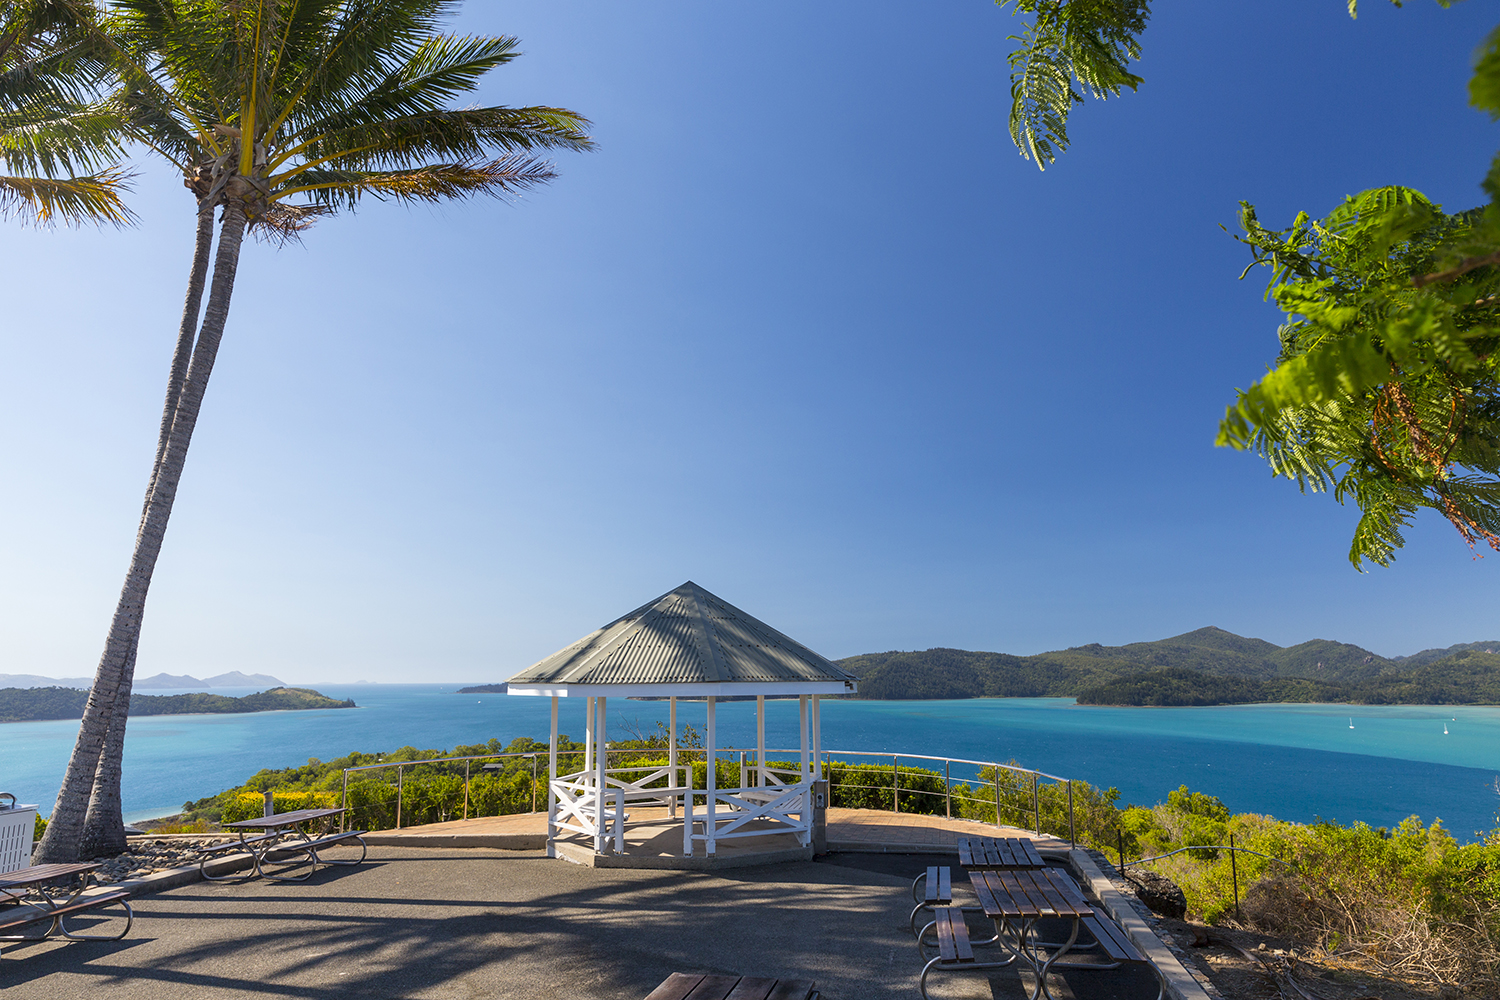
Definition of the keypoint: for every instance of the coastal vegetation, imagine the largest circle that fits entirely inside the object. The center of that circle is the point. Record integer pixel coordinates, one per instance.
(30, 704)
(1206, 667)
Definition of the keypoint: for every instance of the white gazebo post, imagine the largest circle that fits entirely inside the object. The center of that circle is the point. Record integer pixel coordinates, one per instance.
(601, 759)
(588, 736)
(817, 737)
(760, 741)
(710, 827)
(802, 731)
(551, 777)
(672, 755)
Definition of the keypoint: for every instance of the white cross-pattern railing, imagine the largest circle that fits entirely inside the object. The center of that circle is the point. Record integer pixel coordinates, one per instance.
(741, 807)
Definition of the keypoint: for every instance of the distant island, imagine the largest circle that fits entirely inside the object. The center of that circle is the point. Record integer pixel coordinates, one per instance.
(483, 689)
(35, 704)
(1207, 667)
(156, 682)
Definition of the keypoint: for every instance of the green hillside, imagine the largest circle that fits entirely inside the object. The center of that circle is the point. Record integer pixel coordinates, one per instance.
(32, 704)
(1209, 666)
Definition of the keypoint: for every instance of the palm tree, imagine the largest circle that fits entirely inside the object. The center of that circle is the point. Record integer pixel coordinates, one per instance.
(50, 125)
(277, 112)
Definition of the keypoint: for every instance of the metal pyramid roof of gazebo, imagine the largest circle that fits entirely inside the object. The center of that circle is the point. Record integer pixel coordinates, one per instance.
(685, 643)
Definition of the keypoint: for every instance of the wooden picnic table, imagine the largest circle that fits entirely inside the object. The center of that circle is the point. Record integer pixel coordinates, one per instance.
(281, 821)
(998, 853)
(697, 986)
(28, 886)
(285, 834)
(32, 883)
(1017, 899)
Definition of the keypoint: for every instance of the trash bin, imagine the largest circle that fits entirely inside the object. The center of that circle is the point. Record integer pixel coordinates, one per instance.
(17, 827)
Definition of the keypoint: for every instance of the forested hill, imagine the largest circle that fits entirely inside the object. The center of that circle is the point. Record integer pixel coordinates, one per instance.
(1207, 667)
(31, 704)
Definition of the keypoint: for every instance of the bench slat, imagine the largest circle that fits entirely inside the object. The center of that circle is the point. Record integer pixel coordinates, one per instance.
(752, 988)
(303, 846)
(1112, 939)
(62, 911)
(953, 935)
(945, 883)
(792, 989)
(1031, 854)
(1048, 894)
(713, 988)
(1012, 897)
(677, 986)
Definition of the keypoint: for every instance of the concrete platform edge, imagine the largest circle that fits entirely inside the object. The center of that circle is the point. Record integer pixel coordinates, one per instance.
(1181, 984)
(582, 856)
(500, 841)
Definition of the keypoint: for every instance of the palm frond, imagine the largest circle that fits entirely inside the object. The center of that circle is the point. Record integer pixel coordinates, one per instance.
(45, 201)
(501, 178)
(466, 134)
(53, 139)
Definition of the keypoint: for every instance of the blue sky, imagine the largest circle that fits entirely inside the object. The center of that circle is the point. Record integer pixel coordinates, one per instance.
(805, 329)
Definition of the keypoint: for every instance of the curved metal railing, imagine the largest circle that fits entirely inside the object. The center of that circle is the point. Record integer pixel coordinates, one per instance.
(971, 781)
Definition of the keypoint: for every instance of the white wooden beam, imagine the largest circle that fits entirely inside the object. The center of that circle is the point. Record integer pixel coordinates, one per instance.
(712, 778)
(802, 731)
(760, 742)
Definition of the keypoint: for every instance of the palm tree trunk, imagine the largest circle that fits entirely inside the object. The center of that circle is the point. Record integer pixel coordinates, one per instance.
(61, 842)
(104, 825)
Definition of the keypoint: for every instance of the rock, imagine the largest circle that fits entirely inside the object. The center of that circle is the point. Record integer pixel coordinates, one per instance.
(1158, 892)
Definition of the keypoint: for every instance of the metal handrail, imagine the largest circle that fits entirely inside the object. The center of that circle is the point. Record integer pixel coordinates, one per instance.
(1208, 847)
(896, 759)
(1234, 872)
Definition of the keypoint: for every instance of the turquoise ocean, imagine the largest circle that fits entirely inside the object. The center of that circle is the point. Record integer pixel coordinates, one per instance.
(1297, 762)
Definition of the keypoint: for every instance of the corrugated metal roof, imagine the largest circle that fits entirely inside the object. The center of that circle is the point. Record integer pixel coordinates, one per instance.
(685, 636)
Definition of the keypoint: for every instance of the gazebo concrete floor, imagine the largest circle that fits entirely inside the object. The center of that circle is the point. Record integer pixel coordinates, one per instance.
(653, 840)
(471, 923)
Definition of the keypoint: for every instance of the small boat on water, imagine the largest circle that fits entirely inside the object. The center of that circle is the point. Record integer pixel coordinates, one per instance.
(1351, 723)
(1445, 729)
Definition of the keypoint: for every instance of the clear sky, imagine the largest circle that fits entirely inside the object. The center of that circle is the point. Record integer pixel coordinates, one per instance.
(805, 330)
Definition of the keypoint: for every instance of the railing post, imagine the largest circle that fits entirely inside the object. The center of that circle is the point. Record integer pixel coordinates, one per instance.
(466, 789)
(344, 801)
(948, 786)
(400, 788)
(533, 781)
(1234, 874)
(896, 782)
(1036, 804)
(1072, 833)
(997, 796)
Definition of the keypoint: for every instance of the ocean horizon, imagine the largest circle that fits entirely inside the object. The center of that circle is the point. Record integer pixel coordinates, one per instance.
(1376, 764)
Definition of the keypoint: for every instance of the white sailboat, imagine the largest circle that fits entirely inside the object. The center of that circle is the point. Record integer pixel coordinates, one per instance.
(1445, 729)
(1351, 723)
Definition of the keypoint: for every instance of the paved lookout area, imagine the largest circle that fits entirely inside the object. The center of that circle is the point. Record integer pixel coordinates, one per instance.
(481, 922)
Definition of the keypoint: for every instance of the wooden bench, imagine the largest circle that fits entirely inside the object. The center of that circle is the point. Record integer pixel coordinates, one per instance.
(310, 848)
(697, 986)
(955, 950)
(939, 891)
(58, 915)
(1114, 945)
(262, 848)
(246, 846)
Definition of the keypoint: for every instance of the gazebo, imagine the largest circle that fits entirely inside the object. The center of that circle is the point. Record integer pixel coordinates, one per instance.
(687, 643)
